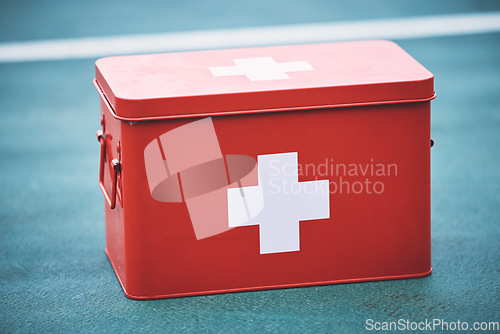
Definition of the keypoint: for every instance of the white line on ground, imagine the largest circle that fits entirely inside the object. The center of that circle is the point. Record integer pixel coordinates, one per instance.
(399, 28)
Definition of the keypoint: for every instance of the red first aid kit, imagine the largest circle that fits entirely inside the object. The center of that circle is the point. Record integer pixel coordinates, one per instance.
(262, 168)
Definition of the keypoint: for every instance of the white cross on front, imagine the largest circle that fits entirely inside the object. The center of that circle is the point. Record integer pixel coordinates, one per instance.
(278, 203)
(261, 68)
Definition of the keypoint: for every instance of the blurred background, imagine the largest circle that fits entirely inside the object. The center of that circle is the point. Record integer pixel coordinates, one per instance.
(54, 274)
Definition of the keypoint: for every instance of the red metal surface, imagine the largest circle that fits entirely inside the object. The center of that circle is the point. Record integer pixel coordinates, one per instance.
(369, 235)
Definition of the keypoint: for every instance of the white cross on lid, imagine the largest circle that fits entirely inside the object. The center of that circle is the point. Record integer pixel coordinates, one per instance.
(261, 68)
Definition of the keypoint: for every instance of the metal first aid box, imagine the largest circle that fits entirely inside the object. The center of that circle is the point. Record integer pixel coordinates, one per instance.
(263, 168)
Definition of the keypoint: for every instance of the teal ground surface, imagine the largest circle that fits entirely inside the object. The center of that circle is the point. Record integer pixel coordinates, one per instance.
(54, 274)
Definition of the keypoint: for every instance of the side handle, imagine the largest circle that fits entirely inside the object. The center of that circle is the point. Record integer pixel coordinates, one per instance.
(116, 168)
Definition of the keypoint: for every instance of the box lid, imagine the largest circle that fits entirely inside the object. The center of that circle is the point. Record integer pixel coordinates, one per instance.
(263, 79)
